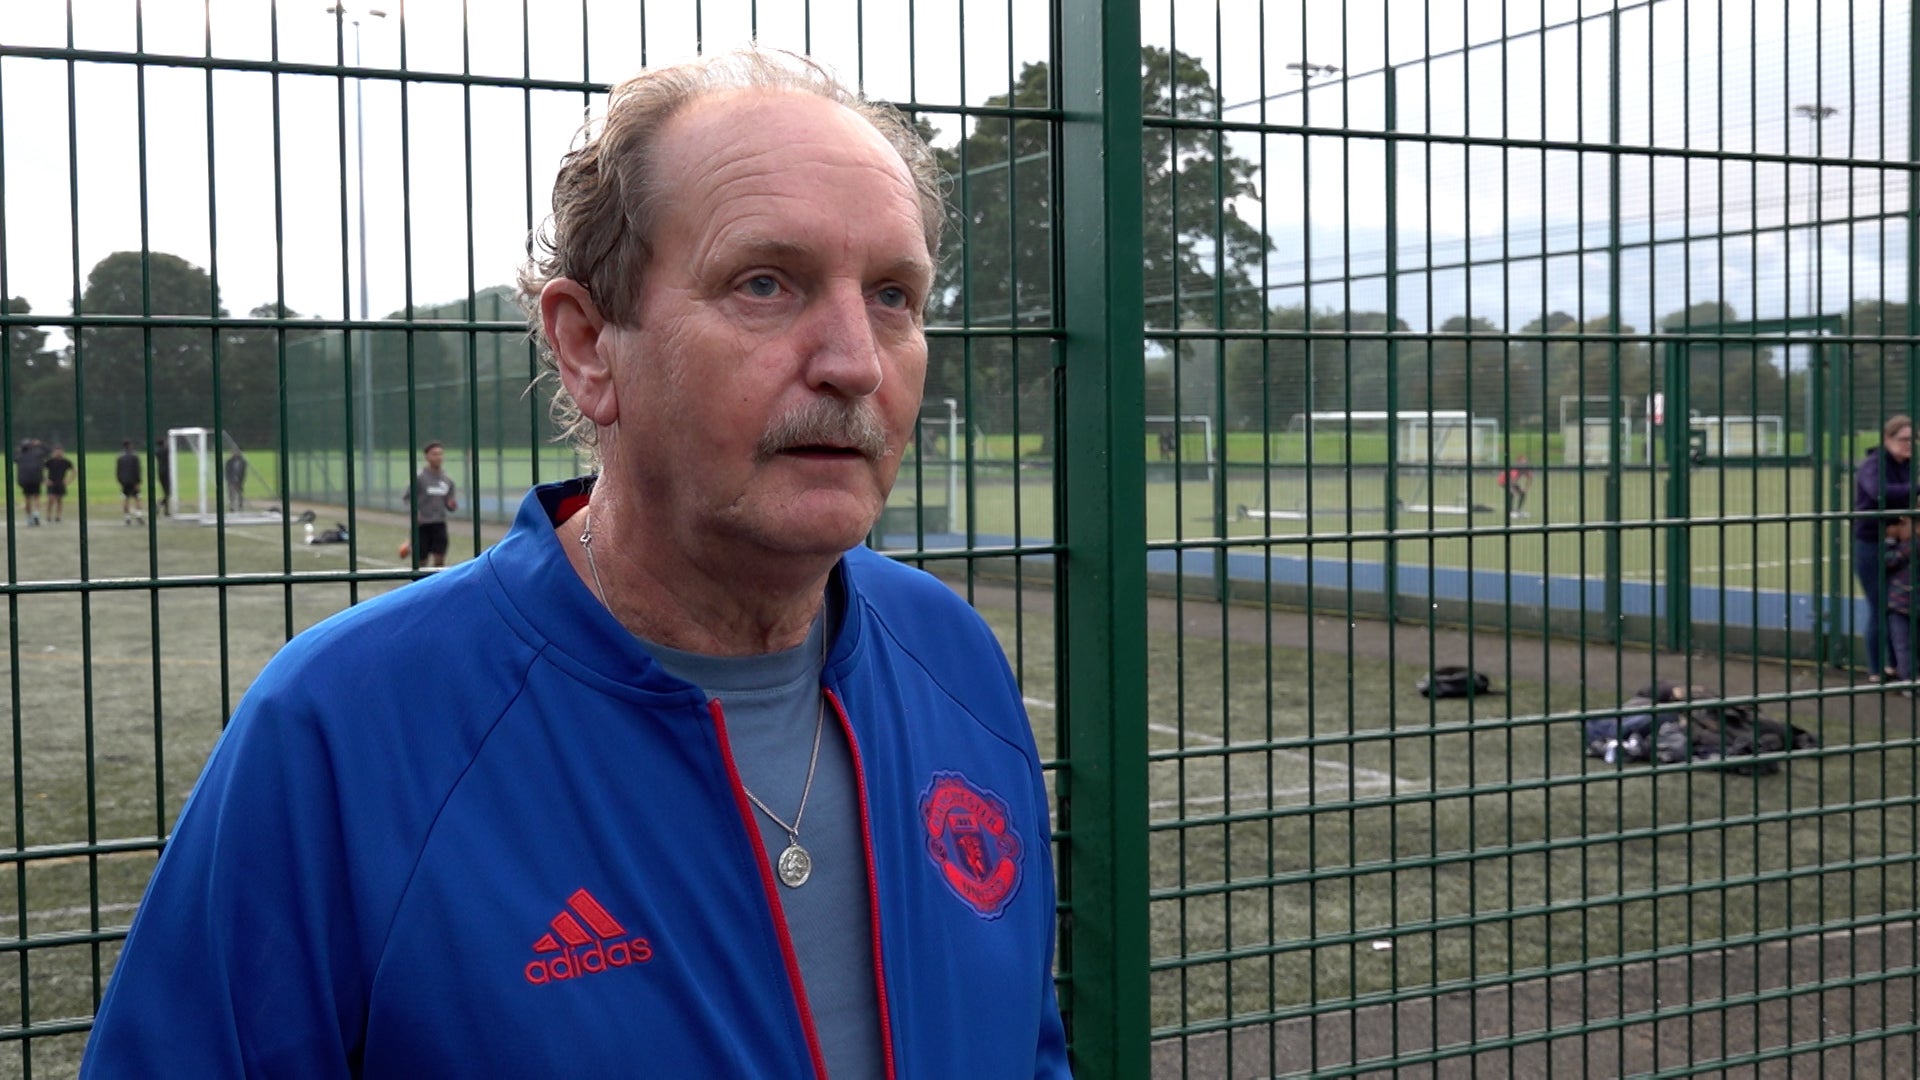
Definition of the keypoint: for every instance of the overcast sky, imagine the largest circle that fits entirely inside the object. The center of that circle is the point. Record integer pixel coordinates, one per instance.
(454, 177)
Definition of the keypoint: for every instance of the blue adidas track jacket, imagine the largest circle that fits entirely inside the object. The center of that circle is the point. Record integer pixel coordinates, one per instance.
(545, 865)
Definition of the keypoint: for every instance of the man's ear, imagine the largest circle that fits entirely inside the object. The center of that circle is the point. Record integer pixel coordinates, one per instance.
(574, 327)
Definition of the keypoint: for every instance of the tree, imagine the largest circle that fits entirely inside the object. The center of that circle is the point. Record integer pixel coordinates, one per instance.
(1000, 269)
(1583, 364)
(117, 366)
(1459, 373)
(39, 383)
(250, 378)
(1343, 368)
(27, 345)
(1880, 379)
(1726, 377)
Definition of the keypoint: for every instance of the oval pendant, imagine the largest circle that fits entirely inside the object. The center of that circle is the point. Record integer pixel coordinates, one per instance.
(796, 866)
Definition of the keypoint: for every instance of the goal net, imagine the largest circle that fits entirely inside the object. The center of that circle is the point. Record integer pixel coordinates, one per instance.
(1587, 430)
(1455, 439)
(207, 472)
(1742, 436)
(1184, 441)
(1347, 463)
(1439, 454)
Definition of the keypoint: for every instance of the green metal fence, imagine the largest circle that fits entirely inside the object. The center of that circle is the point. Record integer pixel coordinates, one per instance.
(1541, 338)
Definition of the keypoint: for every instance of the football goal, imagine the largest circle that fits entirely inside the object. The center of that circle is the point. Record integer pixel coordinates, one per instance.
(1185, 440)
(1587, 430)
(1438, 453)
(1343, 463)
(205, 471)
(1742, 436)
(942, 440)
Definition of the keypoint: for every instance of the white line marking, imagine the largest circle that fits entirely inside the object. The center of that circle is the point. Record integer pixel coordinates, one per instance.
(1704, 572)
(1190, 735)
(1363, 776)
(1371, 775)
(1278, 793)
(317, 550)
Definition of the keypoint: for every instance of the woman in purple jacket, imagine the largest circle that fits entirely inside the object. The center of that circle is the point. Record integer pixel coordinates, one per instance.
(1883, 482)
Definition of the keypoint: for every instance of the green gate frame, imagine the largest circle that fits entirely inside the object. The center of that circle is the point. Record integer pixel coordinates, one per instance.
(1825, 442)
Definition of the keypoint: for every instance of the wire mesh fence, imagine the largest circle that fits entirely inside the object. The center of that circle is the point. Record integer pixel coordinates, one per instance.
(1542, 339)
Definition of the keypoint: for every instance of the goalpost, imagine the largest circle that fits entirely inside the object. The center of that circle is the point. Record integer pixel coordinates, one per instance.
(1170, 438)
(1338, 463)
(1446, 444)
(1586, 430)
(941, 422)
(198, 467)
(1742, 436)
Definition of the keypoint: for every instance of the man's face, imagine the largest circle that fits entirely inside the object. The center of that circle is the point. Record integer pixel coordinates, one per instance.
(774, 369)
(434, 456)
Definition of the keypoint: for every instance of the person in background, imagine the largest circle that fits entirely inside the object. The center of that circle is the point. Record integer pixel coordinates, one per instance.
(236, 481)
(163, 475)
(727, 794)
(1898, 555)
(126, 469)
(30, 466)
(59, 467)
(433, 499)
(1882, 489)
(1516, 479)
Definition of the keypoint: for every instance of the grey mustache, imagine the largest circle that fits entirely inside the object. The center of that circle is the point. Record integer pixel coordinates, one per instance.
(827, 422)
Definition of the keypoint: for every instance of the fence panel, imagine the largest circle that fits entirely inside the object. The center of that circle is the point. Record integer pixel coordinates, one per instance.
(1538, 339)
(1568, 329)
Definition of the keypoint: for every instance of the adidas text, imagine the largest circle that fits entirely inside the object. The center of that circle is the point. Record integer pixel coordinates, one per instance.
(578, 963)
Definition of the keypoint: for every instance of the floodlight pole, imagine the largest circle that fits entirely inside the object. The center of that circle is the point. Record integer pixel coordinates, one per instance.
(1309, 71)
(360, 198)
(1817, 113)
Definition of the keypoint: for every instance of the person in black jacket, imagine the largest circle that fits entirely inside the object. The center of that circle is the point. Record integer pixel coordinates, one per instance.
(1882, 489)
(30, 468)
(59, 467)
(126, 469)
(162, 459)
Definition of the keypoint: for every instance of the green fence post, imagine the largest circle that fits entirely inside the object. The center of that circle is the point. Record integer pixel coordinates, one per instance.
(1679, 536)
(1836, 484)
(1103, 794)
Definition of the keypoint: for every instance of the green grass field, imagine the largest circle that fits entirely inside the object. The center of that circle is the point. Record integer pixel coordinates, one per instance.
(118, 694)
(1739, 530)
(1305, 807)
(1322, 833)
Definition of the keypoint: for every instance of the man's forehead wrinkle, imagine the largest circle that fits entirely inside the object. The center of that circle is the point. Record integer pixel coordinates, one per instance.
(766, 226)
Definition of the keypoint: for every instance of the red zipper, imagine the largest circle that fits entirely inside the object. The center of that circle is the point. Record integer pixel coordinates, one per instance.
(771, 889)
(873, 882)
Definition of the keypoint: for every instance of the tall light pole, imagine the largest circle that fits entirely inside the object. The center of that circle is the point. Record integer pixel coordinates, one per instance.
(1817, 113)
(340, 11)
(1309, 71)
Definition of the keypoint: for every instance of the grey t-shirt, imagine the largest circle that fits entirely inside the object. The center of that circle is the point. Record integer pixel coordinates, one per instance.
(432, 490)
(771, 704)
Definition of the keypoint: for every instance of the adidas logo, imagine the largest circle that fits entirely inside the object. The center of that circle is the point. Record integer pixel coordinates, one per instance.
(574, 951)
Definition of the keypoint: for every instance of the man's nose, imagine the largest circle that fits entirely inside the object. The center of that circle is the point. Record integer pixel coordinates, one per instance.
(844, 352)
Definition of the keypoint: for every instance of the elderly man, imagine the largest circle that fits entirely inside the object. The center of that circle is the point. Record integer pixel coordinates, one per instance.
(677, 778)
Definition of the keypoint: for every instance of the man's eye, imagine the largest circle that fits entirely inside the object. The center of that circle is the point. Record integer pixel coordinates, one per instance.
(892, 296)
(762, 286)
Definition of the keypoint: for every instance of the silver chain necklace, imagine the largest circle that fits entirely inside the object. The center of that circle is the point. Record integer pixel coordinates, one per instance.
(795, 864)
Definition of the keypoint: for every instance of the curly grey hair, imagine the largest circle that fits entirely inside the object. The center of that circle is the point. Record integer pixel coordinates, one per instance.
(607, 202)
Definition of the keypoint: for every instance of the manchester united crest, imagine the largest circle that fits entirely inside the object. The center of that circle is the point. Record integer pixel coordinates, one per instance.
(971, 840)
